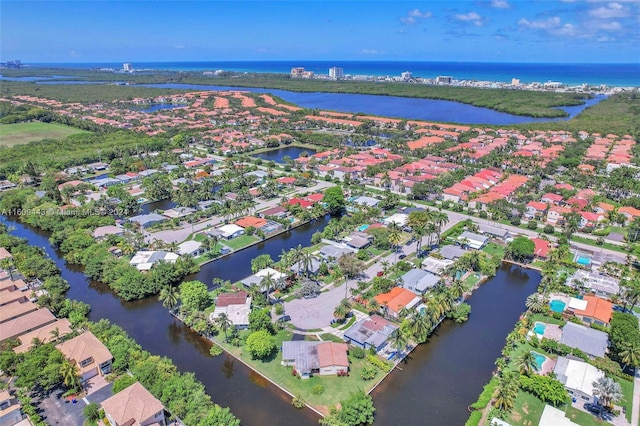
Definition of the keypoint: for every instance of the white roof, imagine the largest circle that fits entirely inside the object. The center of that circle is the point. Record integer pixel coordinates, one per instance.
(276, 275)
(551, 416)
(577, 375)
(230, 229)
(189, 247)
(577, 304)
(399, 219)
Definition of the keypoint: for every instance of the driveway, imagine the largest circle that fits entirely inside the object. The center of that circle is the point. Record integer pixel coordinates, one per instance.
(61, 411)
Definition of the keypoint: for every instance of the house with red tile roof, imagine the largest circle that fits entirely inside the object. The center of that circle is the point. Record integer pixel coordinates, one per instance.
(286, 180)
(253, 221)
(321, 358)
(302, 203)
(630, 213)
(552, 199)
(590, 220)
(397, 299)
(597, 311)
(536, 209)
(556, 214)
(542, 248)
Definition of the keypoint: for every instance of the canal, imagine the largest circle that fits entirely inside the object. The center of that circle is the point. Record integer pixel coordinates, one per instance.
(434, 387)
(278, 154)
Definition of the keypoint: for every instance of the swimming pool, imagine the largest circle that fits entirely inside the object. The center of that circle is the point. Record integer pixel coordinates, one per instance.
(539, 328)
(540, 359)
(557, 305)
(583, 260)
(363, 228)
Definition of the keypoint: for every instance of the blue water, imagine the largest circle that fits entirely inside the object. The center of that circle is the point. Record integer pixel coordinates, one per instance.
(539, 328)
(160, 107)
(363, 228)
(391, 106)
(582, 260)
(573, 74)
(540, 359)
(557, 306)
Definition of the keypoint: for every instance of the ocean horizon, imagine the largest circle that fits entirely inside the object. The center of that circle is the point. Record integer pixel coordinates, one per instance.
(622, 74)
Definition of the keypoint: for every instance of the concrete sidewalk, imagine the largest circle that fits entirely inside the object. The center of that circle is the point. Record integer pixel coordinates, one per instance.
(635, 411)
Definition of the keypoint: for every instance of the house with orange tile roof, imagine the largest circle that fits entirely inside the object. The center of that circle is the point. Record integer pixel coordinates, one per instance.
(552, 199)
(253, 221)
(89, 353)
(555, 215)
(134, 406)
(630, 213)
(396, 300)
(597, 311)
(590, 219)
(541, 249)
(536, 209)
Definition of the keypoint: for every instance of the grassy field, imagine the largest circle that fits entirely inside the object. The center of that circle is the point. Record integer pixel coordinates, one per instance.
(19, 133)
(527, 410)
(239, 242)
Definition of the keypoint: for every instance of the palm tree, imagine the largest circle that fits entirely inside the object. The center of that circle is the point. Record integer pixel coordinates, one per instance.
(535, 303)
(420, 327)
(457, 288)
(385, 266)
(506, 392)
(395, 236)
(373, 305)
(55, 334)
(169, 297)
(296, 256)
(630, 355)
(69, 372)
(399, 340)
(607, 390)
(267, 282)
(224, 323)
(306, 260)
(342, 310)
(526, 363)
(439, 219)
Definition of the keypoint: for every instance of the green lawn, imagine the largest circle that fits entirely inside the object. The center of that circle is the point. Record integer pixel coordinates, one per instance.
(527, 410)
(335, 388)
(240, 242)
(627, 391)
(471, 280)
(547, 319)
(592, 242)
(494, 250)
(19, 133)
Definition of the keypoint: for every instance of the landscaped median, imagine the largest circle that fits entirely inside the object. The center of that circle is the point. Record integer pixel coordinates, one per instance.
(319, 392)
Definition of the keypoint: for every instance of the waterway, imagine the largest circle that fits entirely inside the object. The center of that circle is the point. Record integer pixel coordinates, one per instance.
(443, 377)
(386, 106)
(278, 154)
(434, 387)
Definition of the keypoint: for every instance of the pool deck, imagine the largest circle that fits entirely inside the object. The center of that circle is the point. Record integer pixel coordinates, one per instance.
(547, 366)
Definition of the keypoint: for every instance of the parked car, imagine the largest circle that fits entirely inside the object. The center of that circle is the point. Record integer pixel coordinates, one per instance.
(380, 273)
(310, 295)
(285, 318)
(402, 256)
(593, 408)
(618, 308)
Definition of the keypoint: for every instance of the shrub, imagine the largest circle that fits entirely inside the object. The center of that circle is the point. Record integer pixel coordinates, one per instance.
(368, 372)
(532, 225)
(357, 353)
(515, 221)
(215, 350)
(279, 309)
(91, 411)
(474, 419)
(298, 402)
(317, 390)
(382, 365)
(549, 229)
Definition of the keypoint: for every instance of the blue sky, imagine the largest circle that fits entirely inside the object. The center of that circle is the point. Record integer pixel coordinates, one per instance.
(480, 30)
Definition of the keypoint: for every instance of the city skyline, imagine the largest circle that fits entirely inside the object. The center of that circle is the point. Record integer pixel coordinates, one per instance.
(466, 31)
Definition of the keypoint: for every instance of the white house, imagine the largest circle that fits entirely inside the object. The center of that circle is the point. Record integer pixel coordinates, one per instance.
(472, 240)
(230, 231)
(191, 248)
(144, 260)
(400, 219)
(577, 377)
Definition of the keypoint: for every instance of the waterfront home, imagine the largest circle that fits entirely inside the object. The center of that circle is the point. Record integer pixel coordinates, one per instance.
(192, 248)
(277, 212)
(312, 268)
(578, 377)
(18, 326)
(600, 284)
(396, 300)
(493, 231)
(44, 334)
(309, 358)
(227, 232)
(236, 306)
(541, 248)
(256, 279)
(371, 332)
(4, 254)
(472, 240)
(419, 281)
(591, 310)
(178, 212)
(11, 411)
(103, 232)
(90, 354)
(144, 260)
(358, 240)
(590, 341)
(366, 201)
(147, 220)
(436, 266)
(134, 406)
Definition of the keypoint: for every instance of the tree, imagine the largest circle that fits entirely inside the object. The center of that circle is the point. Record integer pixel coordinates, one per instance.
(398, 340)
(92, 411)
(260, 344)
(357, 410)
(630, 355)
(194, 296)
(506, 392)
(261, 262)
(520, 249)
(70, 374)
(260, 319)
(169, 297)
(420, 326)
(607, 390)
(334, 200)
(526, 363)
(267, 282)
(342, 310)
(350, 265)
(395, 237)
(535, 303)
(224, 323)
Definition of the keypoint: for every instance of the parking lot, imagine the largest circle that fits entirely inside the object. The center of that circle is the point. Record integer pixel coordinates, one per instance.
(65, 411)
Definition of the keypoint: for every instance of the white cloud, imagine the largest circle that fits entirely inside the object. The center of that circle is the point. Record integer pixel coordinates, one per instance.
(414, 16)
(471, 17)
(552, 25)
(500, 4)
(605, 39)
(612, 10)
(370, 52)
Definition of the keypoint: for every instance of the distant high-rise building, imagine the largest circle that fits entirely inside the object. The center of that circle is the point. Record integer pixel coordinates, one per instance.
(297, 72)
(335, 72)
(127, 67)
(407, 75)
(515, 82)
(444, 79)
